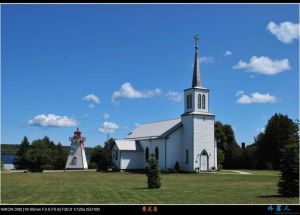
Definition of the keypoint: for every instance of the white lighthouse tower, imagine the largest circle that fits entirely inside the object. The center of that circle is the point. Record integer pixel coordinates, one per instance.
(77, 157)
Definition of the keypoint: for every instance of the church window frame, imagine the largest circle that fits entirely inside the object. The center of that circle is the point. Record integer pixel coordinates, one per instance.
(187, 101)
(203, 101)
(147, 154)
(187, 156)
(191, 101)
(199, 101)
(156, 153)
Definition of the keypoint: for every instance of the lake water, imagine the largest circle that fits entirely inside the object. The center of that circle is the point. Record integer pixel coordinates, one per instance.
(8, 159)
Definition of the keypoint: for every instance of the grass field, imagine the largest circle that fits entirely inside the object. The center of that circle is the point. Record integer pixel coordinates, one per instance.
(224, 187)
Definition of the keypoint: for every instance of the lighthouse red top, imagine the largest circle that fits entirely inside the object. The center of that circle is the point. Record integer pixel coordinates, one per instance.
(77, 133)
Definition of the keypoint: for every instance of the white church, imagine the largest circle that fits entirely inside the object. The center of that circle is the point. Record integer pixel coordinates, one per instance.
(188, 140)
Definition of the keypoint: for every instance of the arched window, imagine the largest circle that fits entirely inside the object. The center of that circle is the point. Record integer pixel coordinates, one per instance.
(187, 101)
(191, 101)
(147, 154)
(199, 101)
(203, 101)
(156, 153)
(187, 157)
(204, 152)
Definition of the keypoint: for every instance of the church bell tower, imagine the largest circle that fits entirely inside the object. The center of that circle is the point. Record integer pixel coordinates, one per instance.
(198, 141)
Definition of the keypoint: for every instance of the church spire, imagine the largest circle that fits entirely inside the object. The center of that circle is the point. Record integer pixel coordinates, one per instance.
(196, 74)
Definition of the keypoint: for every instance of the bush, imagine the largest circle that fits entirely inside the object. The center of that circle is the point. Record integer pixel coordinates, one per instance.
(92, 165)
(177, 167)
(153, 173)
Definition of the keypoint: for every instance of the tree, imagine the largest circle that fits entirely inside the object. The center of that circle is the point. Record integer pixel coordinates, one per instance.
(220, 135)
(289, 165)
(38, 156)
(102, 156)
(232, 152)
(153, 173)
(220, 158)
(60, 157)
(21, 162)
(279, 132)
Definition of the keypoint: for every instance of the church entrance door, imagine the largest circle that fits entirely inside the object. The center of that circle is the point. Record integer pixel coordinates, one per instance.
(204, 161)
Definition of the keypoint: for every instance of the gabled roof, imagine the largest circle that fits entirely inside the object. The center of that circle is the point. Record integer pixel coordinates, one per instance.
(155, 130)
(128, 145)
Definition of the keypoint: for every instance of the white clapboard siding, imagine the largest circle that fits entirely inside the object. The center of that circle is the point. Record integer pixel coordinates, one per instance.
(131, 160)
(204, 139)
(174, 149)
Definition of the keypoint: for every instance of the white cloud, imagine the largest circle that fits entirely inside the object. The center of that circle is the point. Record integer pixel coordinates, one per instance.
(256, 98)
(52, 120)
(239, 93)
(260, 130)
(109, 127)
(264, 65)
(91, 97)
(285, 32)
(106, 116)
(174, 96)
(136, 124)
(227, 53)
(127, 91)
(206, 60)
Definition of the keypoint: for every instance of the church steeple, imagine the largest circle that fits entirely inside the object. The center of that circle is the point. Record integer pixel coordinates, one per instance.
(196, 73)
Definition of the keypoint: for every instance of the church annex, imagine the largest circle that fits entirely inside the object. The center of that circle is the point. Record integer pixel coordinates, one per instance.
(188, 140)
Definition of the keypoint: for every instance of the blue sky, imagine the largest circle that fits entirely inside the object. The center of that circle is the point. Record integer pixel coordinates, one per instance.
(107, 68)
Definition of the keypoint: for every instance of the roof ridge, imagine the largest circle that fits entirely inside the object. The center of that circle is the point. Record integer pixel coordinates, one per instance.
(159, 121)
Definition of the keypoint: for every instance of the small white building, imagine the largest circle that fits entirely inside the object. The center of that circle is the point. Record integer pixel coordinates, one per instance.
(188, 140)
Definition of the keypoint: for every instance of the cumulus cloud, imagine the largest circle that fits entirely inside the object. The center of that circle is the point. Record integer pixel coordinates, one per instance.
(174, 96)
(264, 65)
(91, 97)
(106, 116)
(256, 98)
(206, 59)
(127, 91)
(239, 93)
(52, 120)
(108, 127)
(227, 53)
(260, 130)
(285, 32)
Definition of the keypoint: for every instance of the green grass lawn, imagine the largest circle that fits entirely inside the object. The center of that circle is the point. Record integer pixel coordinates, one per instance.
(260, 187)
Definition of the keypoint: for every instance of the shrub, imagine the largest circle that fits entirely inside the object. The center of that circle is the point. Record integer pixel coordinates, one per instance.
(177, 167)
(153, 173)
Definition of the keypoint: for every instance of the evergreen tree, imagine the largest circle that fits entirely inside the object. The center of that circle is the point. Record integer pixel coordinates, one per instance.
(220, 135)
(289, 166)
(60, 157)
(153, 173)
(21, 162)
(220, 158)
(232, 152)
(102, 156)
(278, 134)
